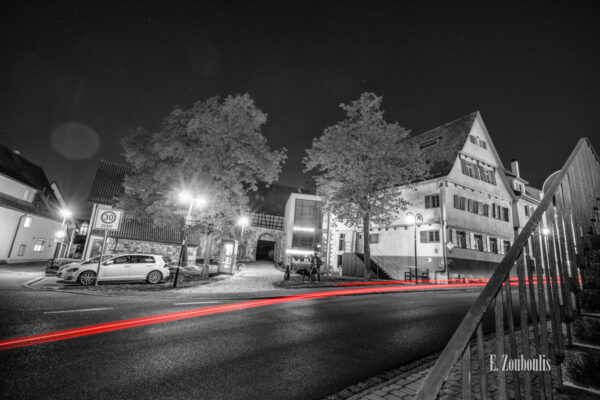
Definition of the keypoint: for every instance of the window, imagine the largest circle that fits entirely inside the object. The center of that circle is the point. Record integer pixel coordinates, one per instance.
(22, 249)
(144, 259)
(430, 236)
(506, 246)
(526, 207)
(83, 229)
(432, 201)
(518, 187)
(482, 144)
(473, 139)
(486, 210)
(478, 172)
(27, 222)
(459, 202)
(494, 245)
(473, 206)
(39, 245)
(342, 243)
(428, 143)
(121, 260)
(461, 239)
(374, 238)
(26, 194)
(307, 214)
(478, 242)
(505, 214)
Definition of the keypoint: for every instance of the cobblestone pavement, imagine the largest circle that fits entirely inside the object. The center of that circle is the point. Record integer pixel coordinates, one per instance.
(253, 277)
(404, 382)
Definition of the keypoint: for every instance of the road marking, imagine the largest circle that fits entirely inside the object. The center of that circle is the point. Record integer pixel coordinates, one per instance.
(196, 302)
(79, 310)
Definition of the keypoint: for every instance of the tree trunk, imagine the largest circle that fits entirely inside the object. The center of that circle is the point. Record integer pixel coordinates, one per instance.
(366, 248)
(207, 254)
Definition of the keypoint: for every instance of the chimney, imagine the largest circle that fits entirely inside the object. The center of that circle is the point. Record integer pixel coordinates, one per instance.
(514, 167)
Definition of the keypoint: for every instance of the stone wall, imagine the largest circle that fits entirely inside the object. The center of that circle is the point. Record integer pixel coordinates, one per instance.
(250, 241)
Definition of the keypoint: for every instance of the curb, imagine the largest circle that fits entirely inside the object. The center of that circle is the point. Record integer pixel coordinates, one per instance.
(240, 295)
(32, 281)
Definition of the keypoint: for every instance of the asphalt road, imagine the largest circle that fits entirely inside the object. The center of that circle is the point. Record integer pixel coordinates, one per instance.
(300, 350)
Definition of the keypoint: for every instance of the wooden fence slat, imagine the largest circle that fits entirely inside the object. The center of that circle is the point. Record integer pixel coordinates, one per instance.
(466, 373)
(482, 366)
(555, 307)
(541, 285)
(524, 323)
(499, 316)
(516, 381)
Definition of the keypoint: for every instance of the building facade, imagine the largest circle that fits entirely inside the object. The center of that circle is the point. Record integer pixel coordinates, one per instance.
(29, 212)
(469, 207)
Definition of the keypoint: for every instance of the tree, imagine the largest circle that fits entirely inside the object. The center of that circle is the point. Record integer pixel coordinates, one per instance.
(361, 166)
(214, 149)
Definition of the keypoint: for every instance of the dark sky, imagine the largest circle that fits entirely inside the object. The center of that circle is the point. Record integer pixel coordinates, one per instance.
(97, 70)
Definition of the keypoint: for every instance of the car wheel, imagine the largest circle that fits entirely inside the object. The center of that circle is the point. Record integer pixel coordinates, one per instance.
(86, 278)
(154, 277)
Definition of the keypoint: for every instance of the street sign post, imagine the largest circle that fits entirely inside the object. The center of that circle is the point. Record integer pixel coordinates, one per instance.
(107, 220)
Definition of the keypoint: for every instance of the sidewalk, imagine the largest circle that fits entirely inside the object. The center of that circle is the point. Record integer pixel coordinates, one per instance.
(403, 383)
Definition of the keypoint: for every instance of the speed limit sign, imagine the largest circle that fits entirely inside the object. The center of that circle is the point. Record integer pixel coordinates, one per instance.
(108, 219)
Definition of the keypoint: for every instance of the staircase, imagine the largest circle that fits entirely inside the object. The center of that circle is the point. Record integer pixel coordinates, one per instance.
(376, 269)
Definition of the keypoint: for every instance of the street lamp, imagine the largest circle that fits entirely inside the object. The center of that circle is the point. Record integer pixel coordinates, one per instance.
(414, 219)
(187, 198)
(243, 221)
(60, 234)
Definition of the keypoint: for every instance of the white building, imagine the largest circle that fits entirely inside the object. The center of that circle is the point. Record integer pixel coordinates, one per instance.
(29, 207)
(469, 207)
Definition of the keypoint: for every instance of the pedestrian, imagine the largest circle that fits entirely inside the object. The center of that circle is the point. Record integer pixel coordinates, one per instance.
(317, 262)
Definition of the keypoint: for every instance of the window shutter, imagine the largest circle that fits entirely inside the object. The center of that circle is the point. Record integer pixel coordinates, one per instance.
(423, 237)
(464, 166)
(456, 202)
(427, 202)
(493, 176)
(481, 172)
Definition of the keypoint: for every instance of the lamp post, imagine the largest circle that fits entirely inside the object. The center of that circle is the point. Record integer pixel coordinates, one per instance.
(243, 221)
(414, 219)
(60, 234)
(186, 197)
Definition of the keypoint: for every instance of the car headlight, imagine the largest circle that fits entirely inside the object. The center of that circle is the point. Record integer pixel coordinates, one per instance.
(72, 269)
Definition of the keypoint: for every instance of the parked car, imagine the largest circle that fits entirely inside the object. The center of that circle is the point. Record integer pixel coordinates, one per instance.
(151, 268)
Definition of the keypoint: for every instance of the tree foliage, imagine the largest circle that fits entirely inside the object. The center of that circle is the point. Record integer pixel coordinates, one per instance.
(361, 166)
(214, 149)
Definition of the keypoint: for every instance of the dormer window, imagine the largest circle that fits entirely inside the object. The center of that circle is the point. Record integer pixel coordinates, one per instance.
(482, 144)
(473, 139)
(429, 143)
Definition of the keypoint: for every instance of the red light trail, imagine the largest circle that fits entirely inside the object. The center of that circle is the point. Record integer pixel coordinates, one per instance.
(198, 312)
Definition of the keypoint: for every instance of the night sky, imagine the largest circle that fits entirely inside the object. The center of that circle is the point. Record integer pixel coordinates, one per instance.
(77, 77)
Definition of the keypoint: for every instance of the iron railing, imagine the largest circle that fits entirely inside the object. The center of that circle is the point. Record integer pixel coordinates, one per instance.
(548, 258)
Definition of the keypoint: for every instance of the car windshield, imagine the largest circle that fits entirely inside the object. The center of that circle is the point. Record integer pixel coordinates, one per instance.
(94, 260)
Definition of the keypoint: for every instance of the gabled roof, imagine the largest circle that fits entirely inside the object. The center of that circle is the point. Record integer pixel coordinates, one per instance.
(440, 146)
(145, 230)
(17, 167)
(108, 182)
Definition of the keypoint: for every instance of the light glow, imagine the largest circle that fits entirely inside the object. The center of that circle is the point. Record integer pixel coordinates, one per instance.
(65, 213)
(243, 221)
(303, 229)
(298, 252)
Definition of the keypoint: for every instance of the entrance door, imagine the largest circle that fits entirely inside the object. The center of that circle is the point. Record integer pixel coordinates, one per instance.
(265, 250)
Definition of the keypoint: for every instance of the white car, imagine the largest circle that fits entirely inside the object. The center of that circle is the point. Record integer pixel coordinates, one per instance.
(151, 268)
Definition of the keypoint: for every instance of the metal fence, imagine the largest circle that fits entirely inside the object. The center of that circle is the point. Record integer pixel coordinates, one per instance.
(549, 257)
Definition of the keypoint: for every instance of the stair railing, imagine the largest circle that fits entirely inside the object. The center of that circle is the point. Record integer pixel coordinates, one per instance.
(548, 257)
